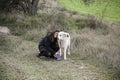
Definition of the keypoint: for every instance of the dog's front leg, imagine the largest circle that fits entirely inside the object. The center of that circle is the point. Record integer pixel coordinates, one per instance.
(60, 52)
(64, 53)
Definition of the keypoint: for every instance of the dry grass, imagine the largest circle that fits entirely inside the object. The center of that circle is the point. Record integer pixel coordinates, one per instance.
(100, 44)
(22, 63)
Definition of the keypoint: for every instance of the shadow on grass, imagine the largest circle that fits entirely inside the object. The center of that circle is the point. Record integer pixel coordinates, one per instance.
(43, 58)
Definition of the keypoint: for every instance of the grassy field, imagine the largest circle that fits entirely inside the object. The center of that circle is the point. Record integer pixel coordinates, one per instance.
(106, 9)
(94, 49)
(94, 55)
(20, 63)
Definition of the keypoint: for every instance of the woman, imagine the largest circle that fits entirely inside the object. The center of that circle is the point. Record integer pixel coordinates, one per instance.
(48, 46)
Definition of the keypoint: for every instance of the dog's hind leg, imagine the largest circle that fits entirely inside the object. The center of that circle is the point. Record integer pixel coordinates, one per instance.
(68, 50)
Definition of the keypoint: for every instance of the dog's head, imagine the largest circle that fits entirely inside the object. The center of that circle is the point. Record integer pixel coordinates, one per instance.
(63, 35)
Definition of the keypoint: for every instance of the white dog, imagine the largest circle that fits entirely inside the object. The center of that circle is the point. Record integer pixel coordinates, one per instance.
(64, 43)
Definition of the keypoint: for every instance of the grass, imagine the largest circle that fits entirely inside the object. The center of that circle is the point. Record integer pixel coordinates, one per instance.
(22, 63)
(94, 51)
(5, 44)
(93, 48)
(109, 9)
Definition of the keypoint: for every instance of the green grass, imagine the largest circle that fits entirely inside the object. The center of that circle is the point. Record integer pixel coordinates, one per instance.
(4, 44)
(97, 8)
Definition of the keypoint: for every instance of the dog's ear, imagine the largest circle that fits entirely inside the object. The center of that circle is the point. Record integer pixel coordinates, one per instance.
(67, 35)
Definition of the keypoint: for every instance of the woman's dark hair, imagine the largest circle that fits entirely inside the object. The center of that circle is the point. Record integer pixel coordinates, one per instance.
(51, 35)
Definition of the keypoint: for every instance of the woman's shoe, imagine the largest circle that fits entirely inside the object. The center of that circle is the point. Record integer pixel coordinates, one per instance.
(58, 57)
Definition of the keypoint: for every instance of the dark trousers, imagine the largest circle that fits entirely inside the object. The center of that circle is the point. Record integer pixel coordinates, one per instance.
(45, 52)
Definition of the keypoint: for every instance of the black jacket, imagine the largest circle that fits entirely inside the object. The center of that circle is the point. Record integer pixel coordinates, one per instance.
(48, 45)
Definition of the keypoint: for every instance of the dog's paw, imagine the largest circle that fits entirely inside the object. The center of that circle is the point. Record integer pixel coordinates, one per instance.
(65, 58)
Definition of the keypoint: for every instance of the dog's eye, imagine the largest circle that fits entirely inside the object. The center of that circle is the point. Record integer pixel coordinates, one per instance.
(60, 35)
(67, 35)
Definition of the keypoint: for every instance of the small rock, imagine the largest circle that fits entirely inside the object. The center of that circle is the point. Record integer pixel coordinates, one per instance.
(4, 30)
